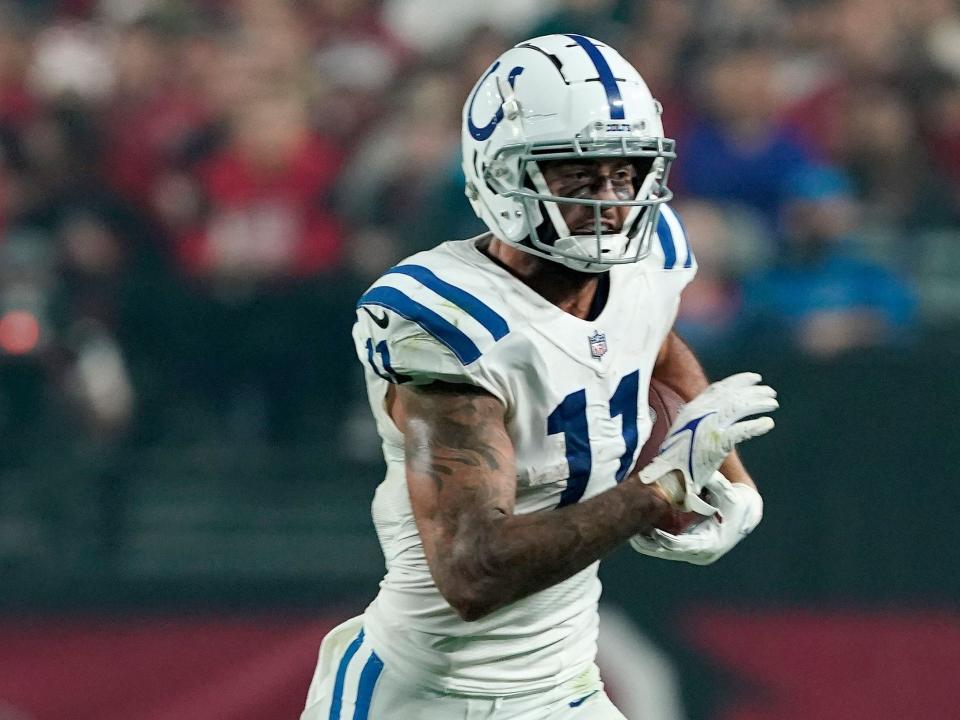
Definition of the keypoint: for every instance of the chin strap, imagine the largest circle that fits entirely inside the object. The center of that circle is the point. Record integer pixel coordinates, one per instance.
(553, 210)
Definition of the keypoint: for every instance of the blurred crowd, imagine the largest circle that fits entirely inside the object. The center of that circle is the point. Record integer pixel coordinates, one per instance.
(193, 193)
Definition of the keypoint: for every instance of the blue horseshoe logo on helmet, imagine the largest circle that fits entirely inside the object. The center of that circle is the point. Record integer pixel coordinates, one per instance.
(482, 133)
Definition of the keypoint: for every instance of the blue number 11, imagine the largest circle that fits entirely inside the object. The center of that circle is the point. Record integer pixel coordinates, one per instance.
(570, 418)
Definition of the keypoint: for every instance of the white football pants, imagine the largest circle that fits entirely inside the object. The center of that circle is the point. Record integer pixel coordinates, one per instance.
(352, 683)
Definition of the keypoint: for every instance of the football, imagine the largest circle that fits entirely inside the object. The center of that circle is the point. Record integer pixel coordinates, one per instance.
(664, 404)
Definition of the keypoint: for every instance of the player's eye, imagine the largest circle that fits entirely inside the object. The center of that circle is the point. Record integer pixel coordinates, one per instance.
(578, 176)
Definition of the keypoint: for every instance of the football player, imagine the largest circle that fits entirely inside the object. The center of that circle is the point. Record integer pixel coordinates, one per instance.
(508, 375)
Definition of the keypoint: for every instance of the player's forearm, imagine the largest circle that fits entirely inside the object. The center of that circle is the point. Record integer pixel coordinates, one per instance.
(494, 561)
(461, 478)
(679, 368)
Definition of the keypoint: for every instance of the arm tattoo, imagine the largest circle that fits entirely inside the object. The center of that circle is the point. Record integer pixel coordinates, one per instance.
(462, 481)
(459, 435)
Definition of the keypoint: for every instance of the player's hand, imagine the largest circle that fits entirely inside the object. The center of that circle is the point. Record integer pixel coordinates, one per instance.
(739, 510)
(704, 432)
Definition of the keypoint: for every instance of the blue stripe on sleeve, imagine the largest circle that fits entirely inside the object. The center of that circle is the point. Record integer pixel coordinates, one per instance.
(683, 233)
(444, 331)
(368, 680)
(666, 242)
(480, 311)
(609, 82)
(337, 703)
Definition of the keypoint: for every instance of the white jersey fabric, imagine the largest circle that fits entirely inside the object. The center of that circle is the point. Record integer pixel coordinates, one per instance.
(575, 392)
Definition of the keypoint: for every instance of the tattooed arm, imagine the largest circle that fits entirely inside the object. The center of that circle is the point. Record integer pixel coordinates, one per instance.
(462, 479)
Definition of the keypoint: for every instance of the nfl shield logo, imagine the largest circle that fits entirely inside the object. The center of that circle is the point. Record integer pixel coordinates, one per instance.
(598, 344)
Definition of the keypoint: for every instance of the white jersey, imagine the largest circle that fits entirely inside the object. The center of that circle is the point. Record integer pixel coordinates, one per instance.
(575, 392)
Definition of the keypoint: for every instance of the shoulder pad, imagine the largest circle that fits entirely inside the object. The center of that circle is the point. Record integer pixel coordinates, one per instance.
(466, 324)
(671, 249)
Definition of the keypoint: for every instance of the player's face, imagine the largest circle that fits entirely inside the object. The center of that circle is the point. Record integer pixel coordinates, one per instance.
(593, 180)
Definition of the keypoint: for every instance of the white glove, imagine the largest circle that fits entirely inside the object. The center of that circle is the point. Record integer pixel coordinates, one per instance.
(740, 509)
(704, 433)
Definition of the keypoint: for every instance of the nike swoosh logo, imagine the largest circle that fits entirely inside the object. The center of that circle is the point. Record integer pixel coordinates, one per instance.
(669, 444)
(675, 438)
(581, 701)
(381, 321)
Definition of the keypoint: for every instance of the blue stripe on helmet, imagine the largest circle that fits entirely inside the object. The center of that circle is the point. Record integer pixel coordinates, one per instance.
(444, 331)
(337, 703)
(478, 310)
(368, 680)
(609, 82)
(666, 242)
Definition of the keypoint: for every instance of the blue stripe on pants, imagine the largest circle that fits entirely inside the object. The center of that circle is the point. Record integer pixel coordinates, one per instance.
(337, 703)
(368, 680)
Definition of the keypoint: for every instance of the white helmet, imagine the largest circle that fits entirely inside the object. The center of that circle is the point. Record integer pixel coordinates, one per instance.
(563, 97)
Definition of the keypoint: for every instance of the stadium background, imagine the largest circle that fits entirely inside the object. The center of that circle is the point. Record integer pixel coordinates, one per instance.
(193, 194)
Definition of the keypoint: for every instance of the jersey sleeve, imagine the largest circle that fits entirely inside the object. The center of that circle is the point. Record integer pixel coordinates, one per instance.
(413, 326)
(669, 267)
